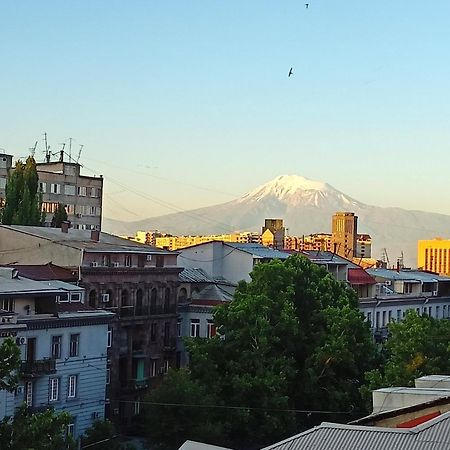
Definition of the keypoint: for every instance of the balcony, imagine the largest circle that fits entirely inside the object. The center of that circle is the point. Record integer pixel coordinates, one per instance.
(38, 368)
(137, 384)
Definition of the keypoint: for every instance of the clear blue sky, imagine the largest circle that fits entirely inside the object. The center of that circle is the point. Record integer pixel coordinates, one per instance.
(169, 92)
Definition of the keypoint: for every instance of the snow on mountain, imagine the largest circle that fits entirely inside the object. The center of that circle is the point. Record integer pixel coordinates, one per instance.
(306, 207)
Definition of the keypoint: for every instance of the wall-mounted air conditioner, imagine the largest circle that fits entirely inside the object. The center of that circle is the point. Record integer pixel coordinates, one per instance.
(94, 264)
(22, 340)
(105, 298)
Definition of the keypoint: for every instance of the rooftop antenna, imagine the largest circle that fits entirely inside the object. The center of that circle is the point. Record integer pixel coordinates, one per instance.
(79, 153)
(47, 149)
(33, 149)
(61, 152)
(70, 149)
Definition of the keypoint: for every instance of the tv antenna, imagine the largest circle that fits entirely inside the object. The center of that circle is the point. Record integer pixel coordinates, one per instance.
(79, 153)
(47, 149)
(33, 149)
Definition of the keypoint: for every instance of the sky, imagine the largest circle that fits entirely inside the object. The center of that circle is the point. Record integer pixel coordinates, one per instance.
(183, 104)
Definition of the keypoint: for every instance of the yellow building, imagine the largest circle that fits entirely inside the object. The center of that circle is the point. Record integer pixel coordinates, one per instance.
(434, 255)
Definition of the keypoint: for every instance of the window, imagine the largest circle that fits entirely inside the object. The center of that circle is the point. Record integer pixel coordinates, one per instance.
(56, 347)
(70, 429)
(137, 407)
(389, 315)
(166, 366)
(195, 327)
(75, 297)
(127, 260)
(153, 367)
(55, 188)
(74, 348)
(369, 318)
(153, 331)
(399, 315)
(7, 304)
(166, 333)
(29, 393)
(108, 376)
(211, 330)
(69, 189)
(106, 260)
(54, 389)
(159, 260)
(179, 321)
(437, 311)
(43, 187)
(81, 191)
(384, 319)
(72, 384)
(377, 320)
(109, 338)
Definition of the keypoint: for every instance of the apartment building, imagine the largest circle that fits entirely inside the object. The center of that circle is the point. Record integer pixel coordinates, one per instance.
(344, 230)
(434, 255)
(135, 281)
(62, 182)
(63, 344)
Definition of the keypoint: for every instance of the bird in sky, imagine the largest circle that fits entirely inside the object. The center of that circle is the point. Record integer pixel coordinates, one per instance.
(307, 5)
(290, 72)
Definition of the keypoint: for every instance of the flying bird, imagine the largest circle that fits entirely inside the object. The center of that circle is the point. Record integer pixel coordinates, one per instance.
(290, 72)
(307, 5)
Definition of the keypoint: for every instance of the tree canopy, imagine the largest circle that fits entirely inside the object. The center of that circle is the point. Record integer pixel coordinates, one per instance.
(293, 340)
(9, 365)
(417, 346)
(23, 199)
(59, 216)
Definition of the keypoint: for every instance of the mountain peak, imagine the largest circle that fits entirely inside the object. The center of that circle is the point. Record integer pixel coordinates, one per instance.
(286, 186)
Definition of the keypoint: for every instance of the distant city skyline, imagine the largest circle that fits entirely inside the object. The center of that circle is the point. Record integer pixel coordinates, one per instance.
(189, 104)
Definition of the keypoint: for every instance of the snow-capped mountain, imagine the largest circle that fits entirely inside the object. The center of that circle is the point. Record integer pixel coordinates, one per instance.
(306, 207)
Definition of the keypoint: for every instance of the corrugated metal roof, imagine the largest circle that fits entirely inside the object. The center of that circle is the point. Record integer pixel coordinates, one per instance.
(196, 275)
(431, 435)
(319, 256)
(81, 239)
(359, 276)
(259, 250)
(212, 292)
(407, 275)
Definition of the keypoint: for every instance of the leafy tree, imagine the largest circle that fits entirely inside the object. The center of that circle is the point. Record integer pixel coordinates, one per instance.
(59, 217)
(294, 340)
(41, 431)
(101, 430)
(23, 201)
(9, 365)
(417, 346)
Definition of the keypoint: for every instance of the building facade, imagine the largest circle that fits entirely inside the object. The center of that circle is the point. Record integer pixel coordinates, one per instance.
(137, 282)
(63, 345)
(344, 231)
(434, 255)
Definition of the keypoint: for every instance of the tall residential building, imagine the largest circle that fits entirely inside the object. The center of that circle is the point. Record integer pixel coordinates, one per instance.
(62, 182)
(273, 233)
(344, 232)
(434, 255)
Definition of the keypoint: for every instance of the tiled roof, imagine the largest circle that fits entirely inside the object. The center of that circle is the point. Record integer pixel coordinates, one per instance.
(46, 272)
(431, 435)
(359, 276)
(212, 292)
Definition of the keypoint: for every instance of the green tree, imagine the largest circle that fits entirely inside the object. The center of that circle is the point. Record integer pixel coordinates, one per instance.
(9, 365)
(59, 217)
(99, 431)
(417, 346)
(294, 339)
(23, 200)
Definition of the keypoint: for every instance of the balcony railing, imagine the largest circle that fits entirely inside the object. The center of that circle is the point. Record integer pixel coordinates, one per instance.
(38, 367)
(137, 385)
(135, 311)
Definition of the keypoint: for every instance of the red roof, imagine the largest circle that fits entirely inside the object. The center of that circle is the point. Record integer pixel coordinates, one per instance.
(46, 272)
(359, 276)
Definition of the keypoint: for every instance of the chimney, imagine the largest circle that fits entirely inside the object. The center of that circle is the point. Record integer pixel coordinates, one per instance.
(95, 235)
(65, 227)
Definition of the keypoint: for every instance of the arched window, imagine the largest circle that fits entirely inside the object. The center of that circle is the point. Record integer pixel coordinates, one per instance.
(182, 295)
(153, 296)
(166, 300)
(124, 297)
(139, 297)
(93, 298)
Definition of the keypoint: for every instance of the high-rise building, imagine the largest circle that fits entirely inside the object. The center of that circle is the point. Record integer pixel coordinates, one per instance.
(434, 255)
(344, 232)
(273, 233)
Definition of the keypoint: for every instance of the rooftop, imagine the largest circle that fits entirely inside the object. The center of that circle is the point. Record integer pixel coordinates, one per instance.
(81, 239)
(407, 275)
(431, 435)
(44, 272)
(258, 250)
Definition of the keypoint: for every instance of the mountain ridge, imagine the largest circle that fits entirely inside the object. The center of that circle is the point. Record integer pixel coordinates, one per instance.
(306, 207)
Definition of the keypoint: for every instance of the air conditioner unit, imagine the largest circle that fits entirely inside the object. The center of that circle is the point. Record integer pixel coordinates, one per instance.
(19, 390)
(388, 282)
(22, 340)
(105, 298)
(115, 264)
(435, 293)
(94, 264)
(149, 257)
